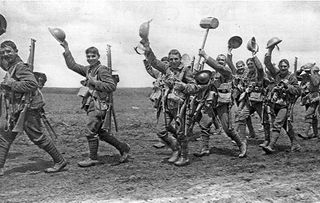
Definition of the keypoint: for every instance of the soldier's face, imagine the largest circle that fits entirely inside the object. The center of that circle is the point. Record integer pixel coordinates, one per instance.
(8, 54)
(221, 60)
(283, 67)
(174, 60)
(92, 58)
(250, 65)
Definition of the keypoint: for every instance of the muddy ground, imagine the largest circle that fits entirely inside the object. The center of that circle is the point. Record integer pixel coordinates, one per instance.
(147, 177)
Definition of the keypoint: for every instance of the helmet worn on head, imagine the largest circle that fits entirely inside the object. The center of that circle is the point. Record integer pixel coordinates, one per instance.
(144, 29)
(308, 66)
(316, 68)
(235, 42)
(3, 24)
(273, 42)
(203, 77)
(252, 45)
(58, 34)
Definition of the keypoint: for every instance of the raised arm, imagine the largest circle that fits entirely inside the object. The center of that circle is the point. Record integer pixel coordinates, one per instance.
(230, 62)
(150, 70)
(71, 64)
(259, 68)
(267, 61)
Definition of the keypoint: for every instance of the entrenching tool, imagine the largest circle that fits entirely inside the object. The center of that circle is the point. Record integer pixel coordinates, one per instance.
(206, 23)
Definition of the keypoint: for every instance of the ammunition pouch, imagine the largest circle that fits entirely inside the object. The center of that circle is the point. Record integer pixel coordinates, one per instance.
(256, 96)
(224, 93)
(155, 96)
(100, 105)
(174, 99)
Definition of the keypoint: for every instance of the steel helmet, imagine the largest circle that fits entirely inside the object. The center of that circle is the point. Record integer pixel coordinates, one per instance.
(235, 42)
(203, 77)
(273, 42)
(252, 45)
(58, 34)
(308, 66)
(316, 69)
(3, 24)
(144, 29)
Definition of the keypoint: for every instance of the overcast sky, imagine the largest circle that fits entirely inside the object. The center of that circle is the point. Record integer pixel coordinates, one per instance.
(175, 25)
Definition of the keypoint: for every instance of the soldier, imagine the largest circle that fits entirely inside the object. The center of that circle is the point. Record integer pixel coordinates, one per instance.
(252, 97)
(156, 94)
(21, 90)
(283, 96)
(310, 82)
(100, 84)
(240, 73)
(222, 81)
(179, 83)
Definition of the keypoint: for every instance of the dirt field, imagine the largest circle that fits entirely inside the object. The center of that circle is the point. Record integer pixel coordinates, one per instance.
(147, 177)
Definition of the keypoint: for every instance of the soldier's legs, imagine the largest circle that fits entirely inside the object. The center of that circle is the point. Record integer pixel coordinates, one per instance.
(264, 117)
(6, 139)
(205, 124)
(241, 121)
(278, 123)
(33, 129)
(311, 120)
(167, 138)
(252, 133)
(225, 116)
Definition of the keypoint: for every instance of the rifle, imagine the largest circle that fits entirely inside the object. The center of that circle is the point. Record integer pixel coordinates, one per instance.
(31, 54)
(110, 111)
(295, 66)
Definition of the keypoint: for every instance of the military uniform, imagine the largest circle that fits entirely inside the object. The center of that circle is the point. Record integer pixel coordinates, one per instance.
(175, 101)
(281, 99)
(22, 89)
(252, 99)
(223, 83)
(310, 97)
(97, 105)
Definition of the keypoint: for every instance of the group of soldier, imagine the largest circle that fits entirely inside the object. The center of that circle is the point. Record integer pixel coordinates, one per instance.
(186, 96)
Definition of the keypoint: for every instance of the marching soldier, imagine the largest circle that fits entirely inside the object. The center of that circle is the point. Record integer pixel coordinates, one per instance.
(156, 95)
(240, 73)
(21, 93)
(283, 97)
(222, 81)
(179, 83)
(100, 84)
(310, 82)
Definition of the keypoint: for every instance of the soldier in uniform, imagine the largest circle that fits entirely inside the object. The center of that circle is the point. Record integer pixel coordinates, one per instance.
(222, 81)
(179, 83)
(240, 72)
(252, 96)
(156, 95)
(100, 84)
(310, 82)
(283, 95)
(21, 90)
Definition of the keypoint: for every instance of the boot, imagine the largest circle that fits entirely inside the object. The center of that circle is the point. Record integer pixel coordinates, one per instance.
(1, 172)
(266, 136)
(124, 153)
(205, 151)
(123, 148)
(183, 160)
(294, 143)
(273, 139)
(173, 144)
(57, 167)
(241, 144)
(93, 143)
(58, 159)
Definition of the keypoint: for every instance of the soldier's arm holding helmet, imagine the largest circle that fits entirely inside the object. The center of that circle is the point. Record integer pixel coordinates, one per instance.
(259, 68)
(267, 61)
(71, 64)
(152, 59)
(230, 62)
(223, 70)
